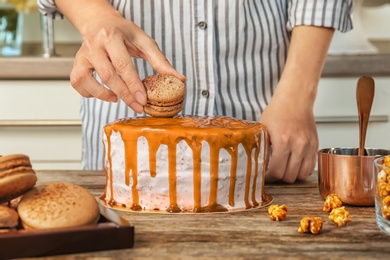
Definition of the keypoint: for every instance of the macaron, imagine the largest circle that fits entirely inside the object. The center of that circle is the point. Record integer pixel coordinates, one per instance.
(58, 205)
(9, 218)
(16, 176)
(165, 95)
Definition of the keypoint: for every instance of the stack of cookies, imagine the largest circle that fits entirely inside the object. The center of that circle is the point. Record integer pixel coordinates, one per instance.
(23, 204)
(16, 178)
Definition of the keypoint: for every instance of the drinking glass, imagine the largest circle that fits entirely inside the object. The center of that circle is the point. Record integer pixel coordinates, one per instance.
(382, 193)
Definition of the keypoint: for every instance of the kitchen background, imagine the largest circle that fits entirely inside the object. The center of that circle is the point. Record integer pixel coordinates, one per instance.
(40, 116)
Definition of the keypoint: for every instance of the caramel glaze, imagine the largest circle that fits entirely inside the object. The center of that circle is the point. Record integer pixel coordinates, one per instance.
(219, 131)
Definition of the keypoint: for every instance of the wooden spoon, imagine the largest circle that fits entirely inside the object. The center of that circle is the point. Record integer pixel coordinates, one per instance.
(364, 96)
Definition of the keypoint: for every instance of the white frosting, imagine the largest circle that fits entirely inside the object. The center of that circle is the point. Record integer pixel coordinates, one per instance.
(154, 192)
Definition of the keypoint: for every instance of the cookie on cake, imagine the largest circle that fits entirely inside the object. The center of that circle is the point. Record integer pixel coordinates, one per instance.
(165, 95)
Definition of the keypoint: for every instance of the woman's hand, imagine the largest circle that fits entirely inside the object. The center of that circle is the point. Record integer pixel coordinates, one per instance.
(289, 115)
(110, 43)
(294, 140)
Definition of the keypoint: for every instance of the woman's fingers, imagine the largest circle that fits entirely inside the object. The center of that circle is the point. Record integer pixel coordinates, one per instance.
(114, 67)
(131, 88)
(109, 53)
(160, 64)
(83, 81)
(291, 161)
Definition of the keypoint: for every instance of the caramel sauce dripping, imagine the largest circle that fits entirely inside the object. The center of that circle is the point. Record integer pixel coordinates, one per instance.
(170, 131)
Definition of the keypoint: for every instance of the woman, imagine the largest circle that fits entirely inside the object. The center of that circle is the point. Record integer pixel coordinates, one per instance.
(250, 59)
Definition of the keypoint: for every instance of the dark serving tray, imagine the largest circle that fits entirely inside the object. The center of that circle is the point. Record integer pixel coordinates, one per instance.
(111, 232)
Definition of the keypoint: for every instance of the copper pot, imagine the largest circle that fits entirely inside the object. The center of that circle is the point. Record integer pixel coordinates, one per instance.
(352, 177)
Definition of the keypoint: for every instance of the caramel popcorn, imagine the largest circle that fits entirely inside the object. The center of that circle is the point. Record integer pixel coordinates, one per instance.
(277, 212)
(340, 216)
(386, 161)
(383, 187)
(332, 201)
(310, 225)
(382, 176)
(386, 207)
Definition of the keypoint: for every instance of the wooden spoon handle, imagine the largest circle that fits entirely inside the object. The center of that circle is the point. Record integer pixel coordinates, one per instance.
(364, 96)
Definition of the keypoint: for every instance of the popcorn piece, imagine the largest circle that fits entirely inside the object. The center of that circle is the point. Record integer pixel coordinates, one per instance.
(386, 161)
(384, 187)
(386, 207)
(310, 225)
(277, 212)
(382, 176)
(340, 216)
(386, 175)
(332, 201)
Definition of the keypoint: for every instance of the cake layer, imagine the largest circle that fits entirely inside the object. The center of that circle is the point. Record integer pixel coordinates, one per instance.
(185, 164)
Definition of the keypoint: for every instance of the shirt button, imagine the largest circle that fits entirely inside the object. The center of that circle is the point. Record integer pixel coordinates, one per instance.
(202, 25)
(205, 93)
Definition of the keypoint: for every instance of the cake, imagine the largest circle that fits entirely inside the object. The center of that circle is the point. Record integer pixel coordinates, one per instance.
(189, 164)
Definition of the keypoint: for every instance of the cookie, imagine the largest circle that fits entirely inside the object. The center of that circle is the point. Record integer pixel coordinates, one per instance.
(165, 95)
(16, 176)
(14, 162)
(159, 111)
(9, 218)
(58, 205)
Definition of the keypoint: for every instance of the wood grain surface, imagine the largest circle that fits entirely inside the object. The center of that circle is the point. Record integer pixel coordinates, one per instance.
(241, 235)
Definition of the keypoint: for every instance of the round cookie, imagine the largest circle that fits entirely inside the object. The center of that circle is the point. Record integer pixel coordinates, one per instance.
(13, 162)
(9, 218)
(58, 205)
(12, 186)
(16, 176)
(165, 95)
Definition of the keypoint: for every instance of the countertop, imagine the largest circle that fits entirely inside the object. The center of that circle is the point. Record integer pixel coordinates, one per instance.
(32, 65)
(241, 235)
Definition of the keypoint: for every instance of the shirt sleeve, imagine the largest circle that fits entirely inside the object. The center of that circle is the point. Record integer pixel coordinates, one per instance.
(49, 8)
(325, 13)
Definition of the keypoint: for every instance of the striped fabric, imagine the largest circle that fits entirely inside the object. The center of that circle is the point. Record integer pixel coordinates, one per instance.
(232, 53)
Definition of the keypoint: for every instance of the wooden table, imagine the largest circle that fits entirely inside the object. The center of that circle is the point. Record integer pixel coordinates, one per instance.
(242, 235)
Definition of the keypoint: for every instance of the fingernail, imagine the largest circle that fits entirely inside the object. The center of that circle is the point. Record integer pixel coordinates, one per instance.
(181, 77)
(137, 107)
(140, 98)
(113, 98)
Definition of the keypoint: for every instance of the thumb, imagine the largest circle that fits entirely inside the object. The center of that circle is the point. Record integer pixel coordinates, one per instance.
(161, 64)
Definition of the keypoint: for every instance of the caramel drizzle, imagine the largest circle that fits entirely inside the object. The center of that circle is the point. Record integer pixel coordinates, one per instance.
(196, 155)
(171, 131)
(265, 163)
(173, 207)
(255, 203)
(233, 151)
(132, 169)
(109, 183)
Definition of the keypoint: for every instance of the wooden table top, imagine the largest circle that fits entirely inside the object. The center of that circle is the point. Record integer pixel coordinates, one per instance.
(242, 235)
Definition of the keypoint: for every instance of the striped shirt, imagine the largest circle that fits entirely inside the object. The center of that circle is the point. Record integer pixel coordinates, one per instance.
(231, 51)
